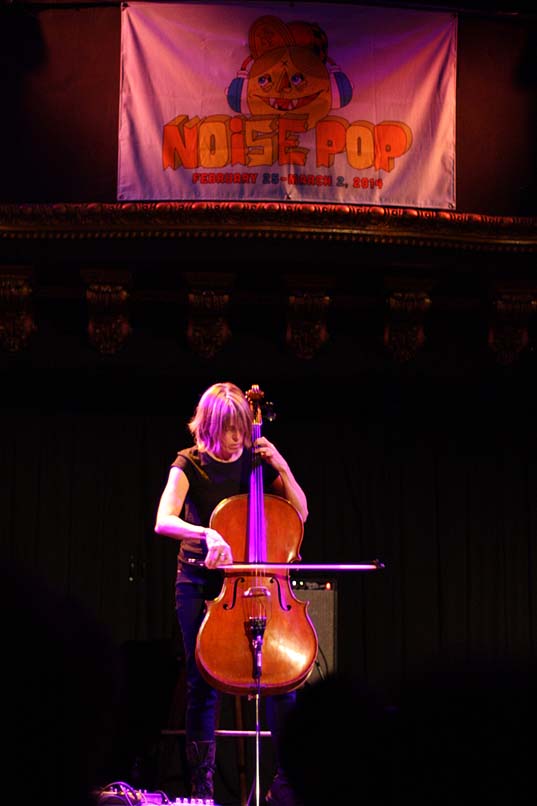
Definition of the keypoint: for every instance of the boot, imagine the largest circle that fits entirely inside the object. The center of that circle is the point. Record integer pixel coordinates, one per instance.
(201, 761)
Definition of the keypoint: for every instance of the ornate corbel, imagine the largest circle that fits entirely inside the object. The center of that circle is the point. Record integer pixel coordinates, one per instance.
(16, 314)
(108, 318)
(307, 307)
(509, 327)
(404, 329)
(208, 299)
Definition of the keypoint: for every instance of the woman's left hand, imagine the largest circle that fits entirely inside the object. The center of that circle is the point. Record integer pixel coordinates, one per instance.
(267, 451)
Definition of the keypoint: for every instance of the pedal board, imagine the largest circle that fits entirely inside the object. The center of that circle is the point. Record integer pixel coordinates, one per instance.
(121, 793)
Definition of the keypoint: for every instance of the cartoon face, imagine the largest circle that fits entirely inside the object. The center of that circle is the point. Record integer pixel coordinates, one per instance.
(289, 80)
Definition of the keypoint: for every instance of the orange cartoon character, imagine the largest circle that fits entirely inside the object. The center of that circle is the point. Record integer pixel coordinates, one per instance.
(288, 72)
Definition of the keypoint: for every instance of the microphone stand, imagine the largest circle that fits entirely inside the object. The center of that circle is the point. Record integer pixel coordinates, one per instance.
(256, 629)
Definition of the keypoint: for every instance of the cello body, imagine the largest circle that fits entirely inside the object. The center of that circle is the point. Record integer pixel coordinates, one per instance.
(256, 636)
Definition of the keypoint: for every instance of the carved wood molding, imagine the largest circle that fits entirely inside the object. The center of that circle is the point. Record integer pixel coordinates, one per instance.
(108, 318)
(16, 310)
(509, 327)
(307, 307)
(307, 330)
(404, 330)
(208, 328)
(376, 225)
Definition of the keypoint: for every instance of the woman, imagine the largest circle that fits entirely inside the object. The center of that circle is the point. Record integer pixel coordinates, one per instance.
(217, 467)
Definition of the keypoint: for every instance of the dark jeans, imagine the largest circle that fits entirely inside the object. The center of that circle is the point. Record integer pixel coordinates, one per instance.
(202, 701)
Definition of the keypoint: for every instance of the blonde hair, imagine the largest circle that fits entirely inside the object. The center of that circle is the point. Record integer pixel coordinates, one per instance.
(221, 406)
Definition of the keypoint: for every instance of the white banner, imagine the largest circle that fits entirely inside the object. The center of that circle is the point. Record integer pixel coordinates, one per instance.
(301, 102)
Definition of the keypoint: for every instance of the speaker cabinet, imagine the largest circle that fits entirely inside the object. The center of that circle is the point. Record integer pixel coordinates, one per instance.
(322, 610)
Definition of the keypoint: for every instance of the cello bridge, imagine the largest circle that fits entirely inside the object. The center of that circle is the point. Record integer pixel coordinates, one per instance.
(256, 592)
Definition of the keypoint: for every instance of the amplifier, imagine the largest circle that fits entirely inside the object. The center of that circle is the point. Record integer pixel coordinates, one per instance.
(322, 610)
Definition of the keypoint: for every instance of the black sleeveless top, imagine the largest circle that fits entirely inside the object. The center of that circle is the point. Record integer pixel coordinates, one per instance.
(210, 482)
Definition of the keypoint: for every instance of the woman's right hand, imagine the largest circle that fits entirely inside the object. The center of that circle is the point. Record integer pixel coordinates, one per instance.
(218, 551)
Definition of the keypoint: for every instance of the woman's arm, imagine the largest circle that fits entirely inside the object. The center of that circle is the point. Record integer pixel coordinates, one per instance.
(169, 523)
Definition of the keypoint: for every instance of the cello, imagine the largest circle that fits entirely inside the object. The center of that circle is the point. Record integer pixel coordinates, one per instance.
(256, 637)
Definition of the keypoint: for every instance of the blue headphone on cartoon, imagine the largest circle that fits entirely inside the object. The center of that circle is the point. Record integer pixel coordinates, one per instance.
(298, 33)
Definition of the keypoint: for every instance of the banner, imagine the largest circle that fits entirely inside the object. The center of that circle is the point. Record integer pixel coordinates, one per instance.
(301, 102)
